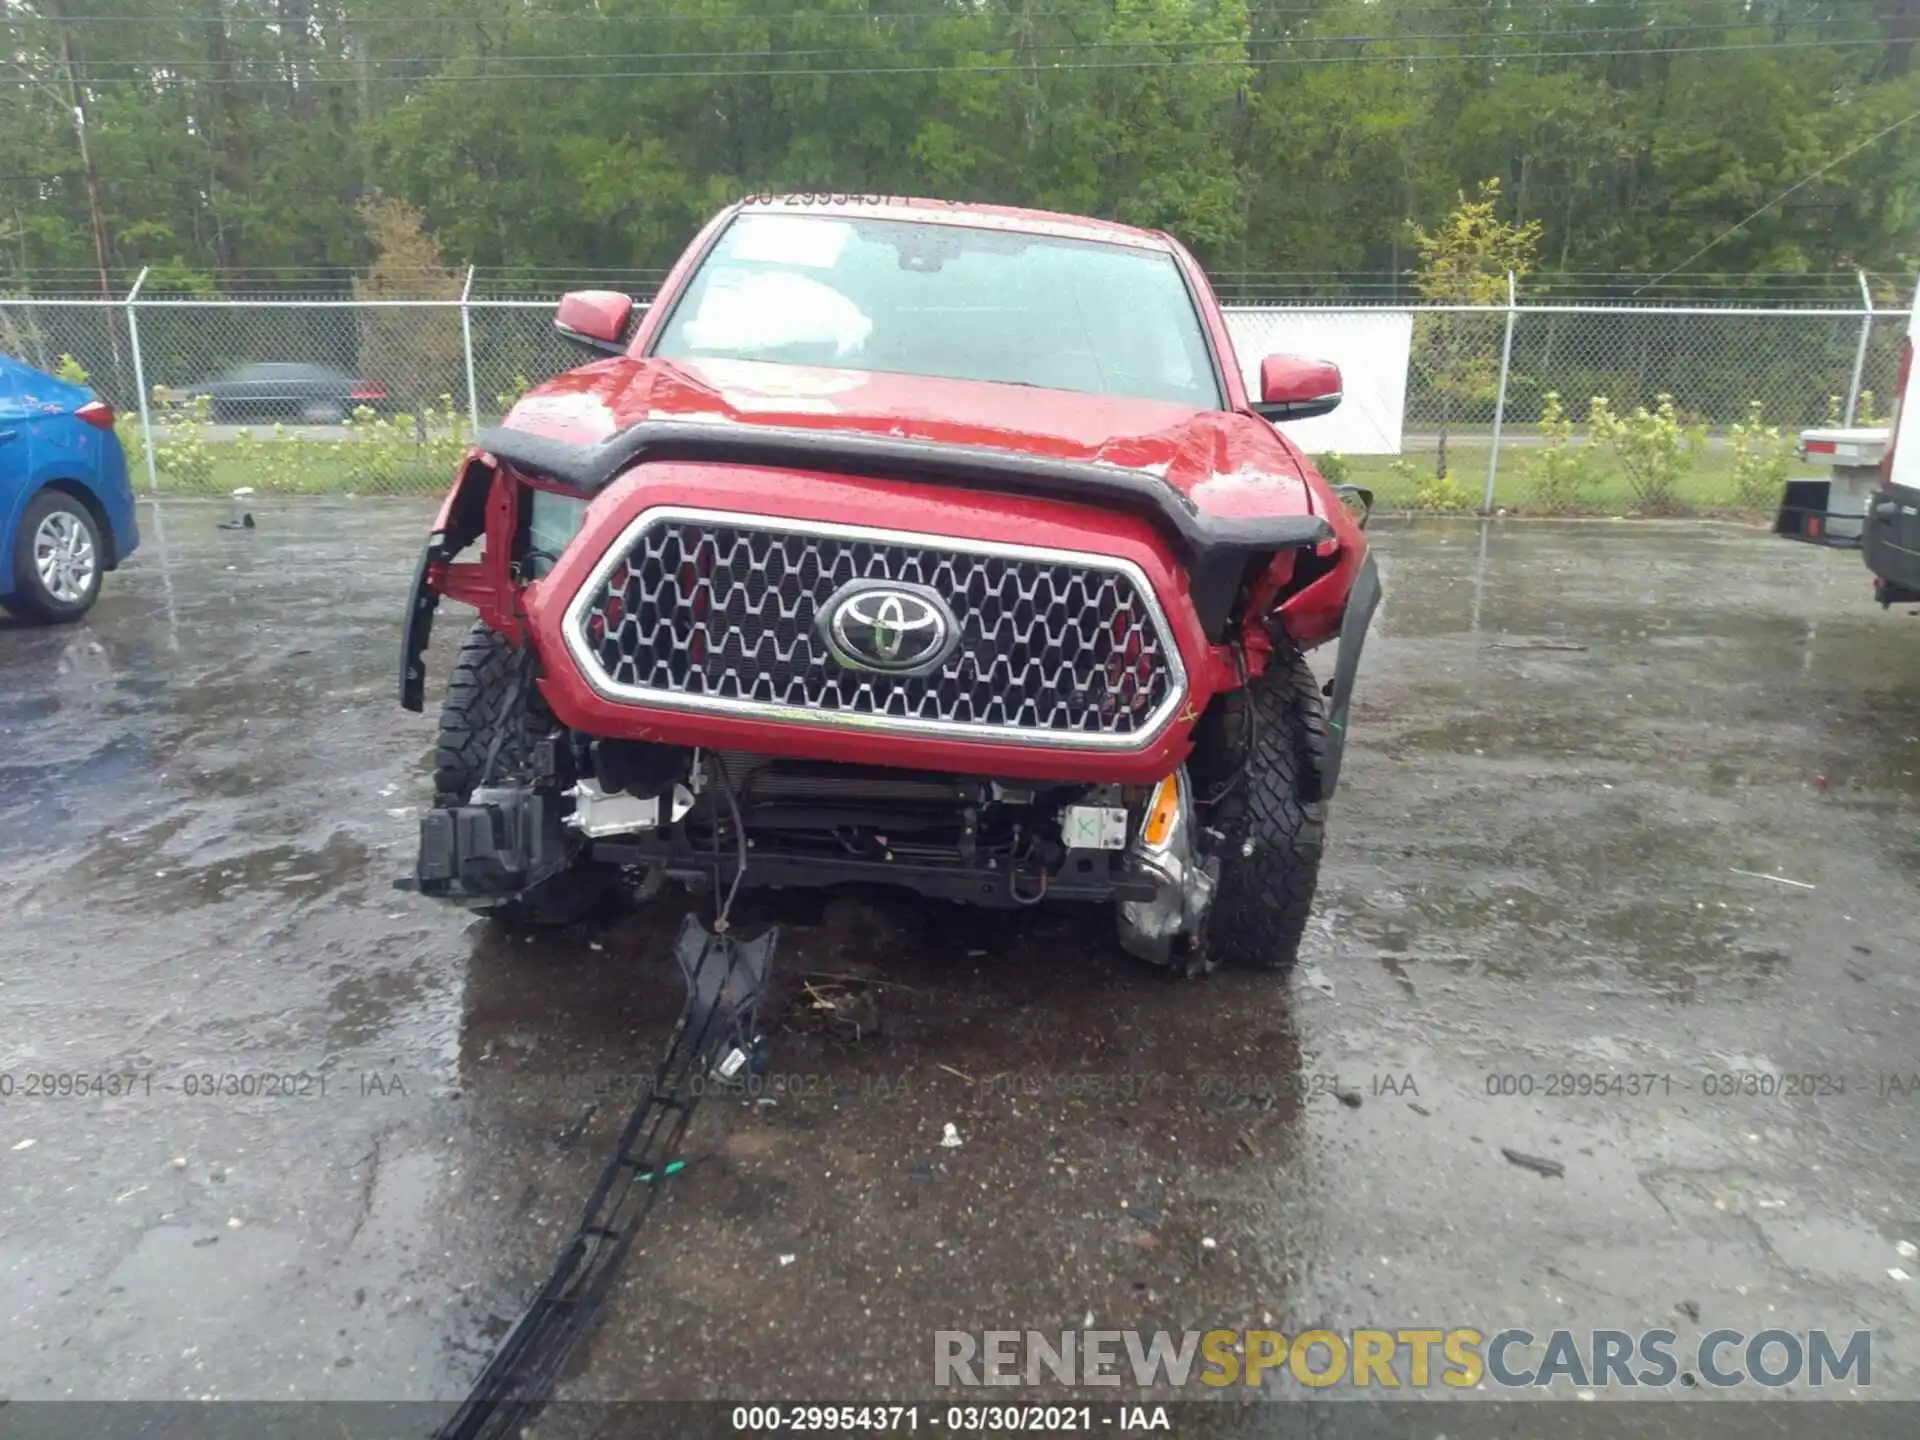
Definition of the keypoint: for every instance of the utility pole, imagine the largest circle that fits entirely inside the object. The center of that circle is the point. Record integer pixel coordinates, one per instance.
(77, 106)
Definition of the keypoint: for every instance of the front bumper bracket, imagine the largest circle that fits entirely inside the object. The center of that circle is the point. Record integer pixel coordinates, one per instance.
(506, 841)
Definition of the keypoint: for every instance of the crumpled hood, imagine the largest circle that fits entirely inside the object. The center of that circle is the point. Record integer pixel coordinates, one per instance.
(1227, 464)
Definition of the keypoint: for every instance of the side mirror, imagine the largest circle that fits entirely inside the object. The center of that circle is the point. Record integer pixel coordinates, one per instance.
(596, 319)
(1292, 388)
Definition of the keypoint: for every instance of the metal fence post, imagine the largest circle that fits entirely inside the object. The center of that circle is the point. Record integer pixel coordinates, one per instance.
(466, 339)
(140, 379)
(1860, 354)
(1500, 400)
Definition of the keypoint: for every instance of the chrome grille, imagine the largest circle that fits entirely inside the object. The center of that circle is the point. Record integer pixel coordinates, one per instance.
(719, 611)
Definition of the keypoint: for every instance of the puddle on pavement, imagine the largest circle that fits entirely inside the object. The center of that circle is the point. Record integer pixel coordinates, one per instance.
(1690, 952)
(370, 1006)
(57, 801)
(151, 880)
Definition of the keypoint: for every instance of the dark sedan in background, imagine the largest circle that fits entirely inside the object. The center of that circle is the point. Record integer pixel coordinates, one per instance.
(310, 394)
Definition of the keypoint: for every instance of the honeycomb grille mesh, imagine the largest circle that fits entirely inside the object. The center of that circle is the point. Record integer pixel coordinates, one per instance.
(727, 612)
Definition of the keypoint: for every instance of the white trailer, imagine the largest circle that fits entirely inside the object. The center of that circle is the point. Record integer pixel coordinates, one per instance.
(1870, 501)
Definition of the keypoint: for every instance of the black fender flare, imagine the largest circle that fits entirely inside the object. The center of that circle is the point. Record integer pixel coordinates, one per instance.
(1362, 601)
(466, 518)
(417, 628)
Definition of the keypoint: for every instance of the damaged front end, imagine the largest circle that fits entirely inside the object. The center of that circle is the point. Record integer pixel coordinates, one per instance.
(1163, 849)
(734, 821)
(992, 700)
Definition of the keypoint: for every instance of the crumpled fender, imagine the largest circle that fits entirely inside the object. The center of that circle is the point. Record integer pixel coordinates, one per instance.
(462, 519)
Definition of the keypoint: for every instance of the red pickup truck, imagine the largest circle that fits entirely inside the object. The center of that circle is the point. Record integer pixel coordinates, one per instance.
(906, 542)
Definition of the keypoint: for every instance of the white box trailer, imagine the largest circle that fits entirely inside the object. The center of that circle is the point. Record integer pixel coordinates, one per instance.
(1833, 510)
(1870, 501)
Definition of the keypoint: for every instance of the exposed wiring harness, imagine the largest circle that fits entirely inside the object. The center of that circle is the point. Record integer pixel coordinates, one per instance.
(740, 840)
(723, 984)
(724, 978)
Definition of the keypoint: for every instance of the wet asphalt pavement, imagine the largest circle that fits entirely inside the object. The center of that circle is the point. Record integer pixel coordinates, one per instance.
(1568, 741)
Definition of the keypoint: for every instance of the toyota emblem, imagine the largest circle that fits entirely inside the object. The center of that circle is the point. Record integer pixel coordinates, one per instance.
(893, 629)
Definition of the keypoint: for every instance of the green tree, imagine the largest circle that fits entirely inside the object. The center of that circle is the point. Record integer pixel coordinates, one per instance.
(231, 141)
(415, 353)
(1467, 260)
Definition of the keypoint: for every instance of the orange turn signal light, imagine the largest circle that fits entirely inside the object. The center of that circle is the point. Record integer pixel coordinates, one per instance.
(1162, 811)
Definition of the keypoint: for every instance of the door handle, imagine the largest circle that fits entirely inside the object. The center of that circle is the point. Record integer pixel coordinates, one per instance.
(6, 435)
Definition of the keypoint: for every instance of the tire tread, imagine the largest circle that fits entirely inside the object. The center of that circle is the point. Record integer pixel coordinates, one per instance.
(1263, 900)
(481, 699)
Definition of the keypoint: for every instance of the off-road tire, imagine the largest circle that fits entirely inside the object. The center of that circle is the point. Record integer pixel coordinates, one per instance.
(482, 701)
(1266, 745)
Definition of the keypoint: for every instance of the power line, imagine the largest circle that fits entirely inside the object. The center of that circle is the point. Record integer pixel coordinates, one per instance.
(1798, 185)
(998, 44)
(1254, 12)
(802, 72)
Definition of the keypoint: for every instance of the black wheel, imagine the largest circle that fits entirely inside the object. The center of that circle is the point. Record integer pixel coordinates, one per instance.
(57, 560)
(485, 700)
(1261, 750)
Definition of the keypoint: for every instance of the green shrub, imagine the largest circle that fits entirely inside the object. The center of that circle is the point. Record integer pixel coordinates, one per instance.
(1761, 459)
(1862, 410)
(1443, 493)
(70, 370)
(506, 399)
(1334, 468)
(181, 451)
(1406, 474)
(133, 444)
(383, 452)
(279, 464)
(1654, 450)
(1560, 470)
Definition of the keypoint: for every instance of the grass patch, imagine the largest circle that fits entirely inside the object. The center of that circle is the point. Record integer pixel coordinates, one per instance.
(370, 454)
(1405, 483)
(316, 471)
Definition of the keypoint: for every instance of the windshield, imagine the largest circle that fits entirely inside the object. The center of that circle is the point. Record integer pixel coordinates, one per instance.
(964, 304)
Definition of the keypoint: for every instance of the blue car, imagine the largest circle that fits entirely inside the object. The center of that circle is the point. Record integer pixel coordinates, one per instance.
(66, 507)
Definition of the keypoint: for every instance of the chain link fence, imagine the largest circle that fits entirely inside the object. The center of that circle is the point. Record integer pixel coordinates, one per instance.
(1610, 409)
(1530, 409)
